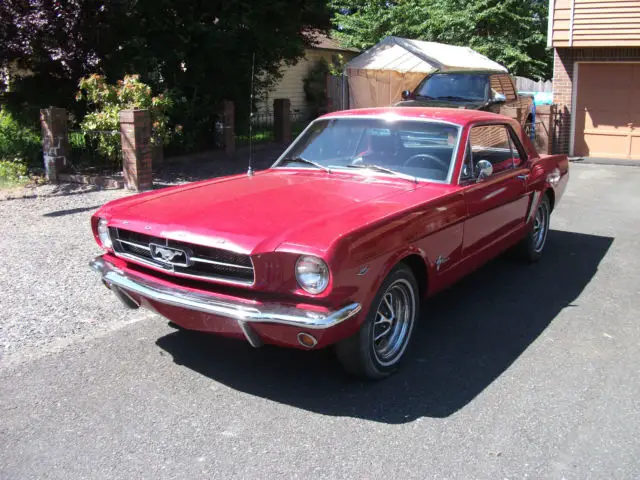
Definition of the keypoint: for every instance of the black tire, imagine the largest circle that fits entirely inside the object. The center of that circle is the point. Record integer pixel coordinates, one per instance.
(532, 246)
(366, 357)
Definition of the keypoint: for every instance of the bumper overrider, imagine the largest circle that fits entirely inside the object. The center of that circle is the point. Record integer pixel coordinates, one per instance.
(129, 286)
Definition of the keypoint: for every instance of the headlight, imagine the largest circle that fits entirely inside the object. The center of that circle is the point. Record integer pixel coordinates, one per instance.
(103, 233)
(312, 274)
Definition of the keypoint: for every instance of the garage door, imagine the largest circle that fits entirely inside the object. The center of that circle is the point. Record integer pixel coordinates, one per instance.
(608, 110)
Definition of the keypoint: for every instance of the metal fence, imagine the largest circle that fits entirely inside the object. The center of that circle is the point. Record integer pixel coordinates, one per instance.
(299, 121)
(261, 130)
(97, 151)
(536, 132)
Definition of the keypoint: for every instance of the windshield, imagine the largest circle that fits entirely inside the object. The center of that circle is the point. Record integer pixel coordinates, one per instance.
(412, 148)
(454, 86)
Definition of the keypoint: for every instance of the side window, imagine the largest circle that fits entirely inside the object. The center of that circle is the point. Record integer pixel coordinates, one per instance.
(491, 143)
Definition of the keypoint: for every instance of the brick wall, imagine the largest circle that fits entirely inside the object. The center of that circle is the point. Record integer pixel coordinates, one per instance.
(563, 74)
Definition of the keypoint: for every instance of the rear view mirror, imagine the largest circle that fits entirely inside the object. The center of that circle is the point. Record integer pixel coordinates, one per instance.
(484, 168)
(406, 94)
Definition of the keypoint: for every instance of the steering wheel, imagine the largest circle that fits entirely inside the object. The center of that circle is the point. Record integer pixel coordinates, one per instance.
(427, 156)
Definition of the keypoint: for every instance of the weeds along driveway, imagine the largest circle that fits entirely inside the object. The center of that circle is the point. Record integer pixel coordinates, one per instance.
(49, 295)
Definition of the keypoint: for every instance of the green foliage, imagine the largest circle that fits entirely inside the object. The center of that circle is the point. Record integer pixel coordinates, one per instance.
(12, 172)
(511, 32)
(17, 142)
(315, 86)
(106, 101)
(200, 51)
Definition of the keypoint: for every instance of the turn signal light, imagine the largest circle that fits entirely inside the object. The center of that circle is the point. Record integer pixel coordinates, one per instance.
(306, 340)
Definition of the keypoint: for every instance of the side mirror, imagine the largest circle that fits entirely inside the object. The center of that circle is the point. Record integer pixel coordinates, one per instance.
(406, 94)
(499, 98)
(485, 169)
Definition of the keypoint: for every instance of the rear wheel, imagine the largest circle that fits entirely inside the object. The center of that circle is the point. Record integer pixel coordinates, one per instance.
(378, 348)
(533, 244)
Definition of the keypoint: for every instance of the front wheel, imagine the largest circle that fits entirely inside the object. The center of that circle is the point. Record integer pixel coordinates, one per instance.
(380, 345)
(533, 244)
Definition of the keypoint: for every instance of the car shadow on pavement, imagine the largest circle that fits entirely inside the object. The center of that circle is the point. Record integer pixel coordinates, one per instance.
(469, 335)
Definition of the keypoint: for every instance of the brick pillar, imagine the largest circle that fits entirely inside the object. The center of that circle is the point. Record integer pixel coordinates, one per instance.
(282, 120)
(55, 142)
(545, 115)
(228, 126)
(135, 132)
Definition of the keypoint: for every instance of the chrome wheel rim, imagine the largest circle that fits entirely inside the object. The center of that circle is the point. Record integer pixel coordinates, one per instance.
(393, 322)
(540, 227)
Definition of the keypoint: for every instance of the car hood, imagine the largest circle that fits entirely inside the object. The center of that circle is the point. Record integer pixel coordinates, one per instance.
(473, 105)
(258, 213)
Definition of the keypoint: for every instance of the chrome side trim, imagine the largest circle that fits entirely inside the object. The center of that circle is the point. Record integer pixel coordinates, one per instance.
(210, 302)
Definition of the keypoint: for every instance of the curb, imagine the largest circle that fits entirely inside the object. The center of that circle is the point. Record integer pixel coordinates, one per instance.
(605, 161)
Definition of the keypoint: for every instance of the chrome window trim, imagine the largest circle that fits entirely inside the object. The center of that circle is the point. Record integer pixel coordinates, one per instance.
(391, 116)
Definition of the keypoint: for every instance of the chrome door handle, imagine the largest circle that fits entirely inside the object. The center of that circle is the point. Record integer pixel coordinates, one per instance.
(522, 177)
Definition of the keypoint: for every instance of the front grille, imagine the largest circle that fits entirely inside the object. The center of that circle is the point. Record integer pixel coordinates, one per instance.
(205, 262)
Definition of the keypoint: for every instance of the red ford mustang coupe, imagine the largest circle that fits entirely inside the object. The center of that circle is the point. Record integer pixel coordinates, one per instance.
(365, 214)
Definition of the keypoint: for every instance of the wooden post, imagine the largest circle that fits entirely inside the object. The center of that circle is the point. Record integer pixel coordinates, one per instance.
(282, 120)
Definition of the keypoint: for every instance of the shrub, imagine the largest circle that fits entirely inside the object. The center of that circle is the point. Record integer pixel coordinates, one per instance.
(18, 142)
(12, 171)
(106, 102)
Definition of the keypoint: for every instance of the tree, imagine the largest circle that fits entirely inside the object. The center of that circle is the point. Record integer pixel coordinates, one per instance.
(198, 50)
(511, 32)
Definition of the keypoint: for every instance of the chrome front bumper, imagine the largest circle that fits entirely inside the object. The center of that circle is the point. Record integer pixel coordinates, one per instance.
(244, 313)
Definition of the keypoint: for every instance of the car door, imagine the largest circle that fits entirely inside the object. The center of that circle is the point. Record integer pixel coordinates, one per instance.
(497, 204)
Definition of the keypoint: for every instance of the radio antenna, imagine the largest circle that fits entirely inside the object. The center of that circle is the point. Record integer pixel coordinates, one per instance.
(253, 62)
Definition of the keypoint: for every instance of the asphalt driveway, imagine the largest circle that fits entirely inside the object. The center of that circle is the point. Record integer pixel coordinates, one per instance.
(517, 372)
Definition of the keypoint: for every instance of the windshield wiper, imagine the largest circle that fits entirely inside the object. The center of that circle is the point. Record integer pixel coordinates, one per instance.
(378, 168)
(425, 96)
(308, 162)
(453, 97)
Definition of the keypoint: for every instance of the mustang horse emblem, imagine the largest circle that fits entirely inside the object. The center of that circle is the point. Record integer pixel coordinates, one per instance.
(168, 254)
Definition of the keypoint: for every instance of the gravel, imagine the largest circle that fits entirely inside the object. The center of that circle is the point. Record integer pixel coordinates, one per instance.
(50, 297)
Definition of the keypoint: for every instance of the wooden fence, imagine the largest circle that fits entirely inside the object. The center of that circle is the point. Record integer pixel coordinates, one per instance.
(524, 84)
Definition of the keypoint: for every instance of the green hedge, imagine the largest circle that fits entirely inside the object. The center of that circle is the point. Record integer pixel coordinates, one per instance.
(19, 143)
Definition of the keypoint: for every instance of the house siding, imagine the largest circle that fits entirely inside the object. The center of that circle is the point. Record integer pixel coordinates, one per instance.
(595, 23)
(291, 85)
(563, 82)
